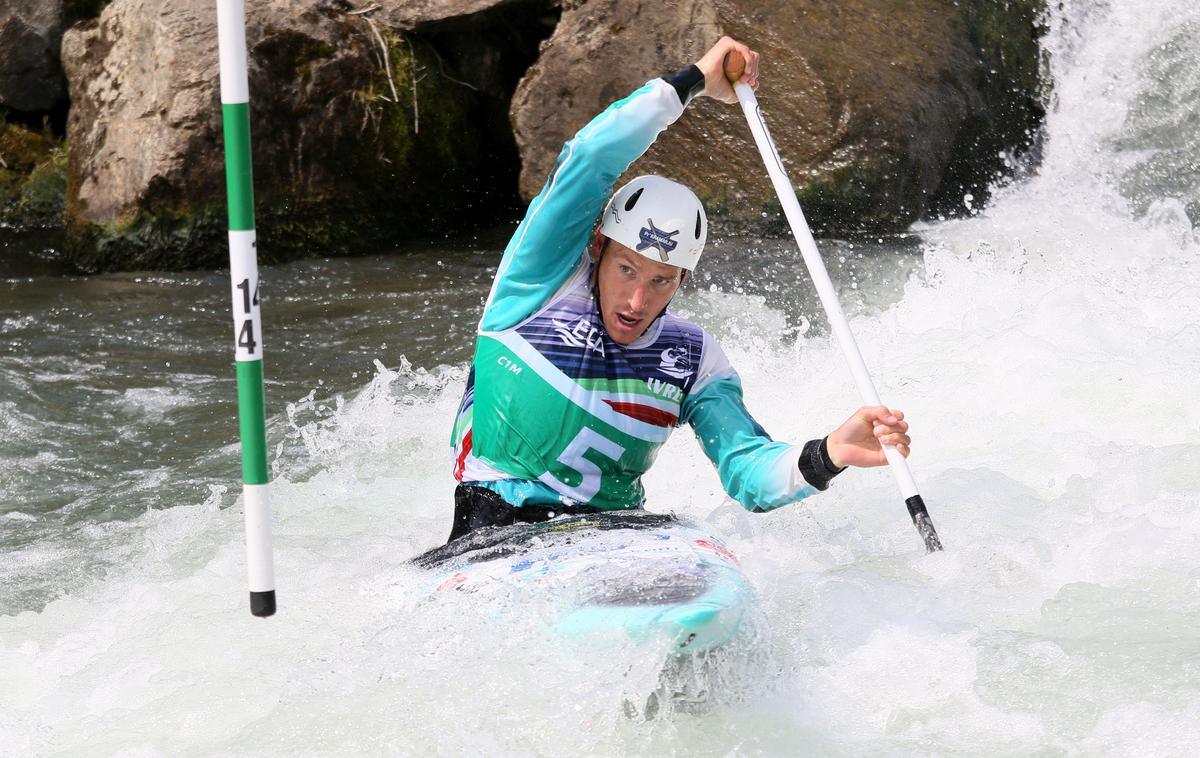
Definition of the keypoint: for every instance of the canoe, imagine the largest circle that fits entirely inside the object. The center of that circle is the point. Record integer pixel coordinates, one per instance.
(651, 576)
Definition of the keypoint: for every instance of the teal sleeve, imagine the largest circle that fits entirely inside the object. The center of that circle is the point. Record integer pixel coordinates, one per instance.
(756, 471)
(548, 246)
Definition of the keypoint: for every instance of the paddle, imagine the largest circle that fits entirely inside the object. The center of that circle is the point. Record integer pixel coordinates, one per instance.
(734, 66)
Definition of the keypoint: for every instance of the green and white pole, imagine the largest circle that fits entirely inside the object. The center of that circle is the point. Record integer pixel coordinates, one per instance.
(247, 319)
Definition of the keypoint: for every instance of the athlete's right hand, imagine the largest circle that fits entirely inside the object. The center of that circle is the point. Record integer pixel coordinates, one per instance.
(712, 65)
(858, 442)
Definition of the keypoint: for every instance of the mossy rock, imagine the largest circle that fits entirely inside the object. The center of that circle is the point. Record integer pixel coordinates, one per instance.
(43, 196)
(158, 240)
(879, 190)
(22, 149)
(33, 177)
(869, 196)
(412, 171)
(418, 167)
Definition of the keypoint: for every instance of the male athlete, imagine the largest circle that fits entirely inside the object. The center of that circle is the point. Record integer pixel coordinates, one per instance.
(581, 373)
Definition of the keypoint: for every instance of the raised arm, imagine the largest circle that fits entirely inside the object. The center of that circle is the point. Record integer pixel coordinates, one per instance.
(549, 244)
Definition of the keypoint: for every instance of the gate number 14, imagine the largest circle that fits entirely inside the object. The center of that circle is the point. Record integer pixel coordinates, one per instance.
(246, 335)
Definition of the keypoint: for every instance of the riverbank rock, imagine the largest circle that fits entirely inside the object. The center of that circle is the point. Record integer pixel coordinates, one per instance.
(31, 78)
(881, 109)
(363, 130)
(375, 123)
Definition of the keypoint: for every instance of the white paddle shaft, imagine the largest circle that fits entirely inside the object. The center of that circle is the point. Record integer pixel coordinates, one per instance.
(820, 277)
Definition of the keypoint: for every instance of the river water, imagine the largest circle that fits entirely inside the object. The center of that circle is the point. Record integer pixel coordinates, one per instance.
(1046, 349)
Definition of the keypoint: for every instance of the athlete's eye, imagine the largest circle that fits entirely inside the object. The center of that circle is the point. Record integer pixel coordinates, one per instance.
(626, 270)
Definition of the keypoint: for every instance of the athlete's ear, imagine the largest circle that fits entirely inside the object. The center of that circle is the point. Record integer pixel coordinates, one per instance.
(596, 248)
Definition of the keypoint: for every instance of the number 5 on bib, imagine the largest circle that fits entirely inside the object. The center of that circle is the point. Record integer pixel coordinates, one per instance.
(572, 458)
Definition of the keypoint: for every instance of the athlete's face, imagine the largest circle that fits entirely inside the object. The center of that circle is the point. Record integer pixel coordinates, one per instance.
(633, 290)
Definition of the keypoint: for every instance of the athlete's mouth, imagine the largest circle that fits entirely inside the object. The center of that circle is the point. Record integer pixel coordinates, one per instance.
(627, 321)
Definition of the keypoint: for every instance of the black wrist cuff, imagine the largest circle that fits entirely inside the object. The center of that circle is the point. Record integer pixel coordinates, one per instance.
(688, 82)
(815, 466)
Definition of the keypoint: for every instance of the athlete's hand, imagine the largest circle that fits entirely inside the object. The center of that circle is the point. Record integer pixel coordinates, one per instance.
(712, 65)
(857, 442)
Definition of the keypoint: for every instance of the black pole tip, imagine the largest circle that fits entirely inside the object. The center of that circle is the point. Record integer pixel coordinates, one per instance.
(262, 604)
(920, 517)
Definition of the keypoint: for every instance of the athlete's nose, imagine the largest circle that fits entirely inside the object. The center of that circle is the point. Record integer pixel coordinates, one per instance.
(637, 299)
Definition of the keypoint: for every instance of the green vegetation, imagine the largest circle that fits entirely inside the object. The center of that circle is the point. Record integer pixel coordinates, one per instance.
(158, 240)
(43, 195)
(416, 130)
(307, 52)
(861, 197)
(33, 176)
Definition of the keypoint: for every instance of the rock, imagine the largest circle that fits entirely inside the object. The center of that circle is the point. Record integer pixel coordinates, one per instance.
(348, 152)
(866, 99)
(370, 127)
(994, 138)
(418, 15)
(31, 78)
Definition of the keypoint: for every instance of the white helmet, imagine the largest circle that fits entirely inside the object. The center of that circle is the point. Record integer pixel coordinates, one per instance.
(661, 219)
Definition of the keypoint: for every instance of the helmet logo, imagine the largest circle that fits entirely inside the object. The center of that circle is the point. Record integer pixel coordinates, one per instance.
(652, 236)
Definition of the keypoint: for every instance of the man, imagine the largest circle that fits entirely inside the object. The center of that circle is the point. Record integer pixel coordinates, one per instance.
(581, 373)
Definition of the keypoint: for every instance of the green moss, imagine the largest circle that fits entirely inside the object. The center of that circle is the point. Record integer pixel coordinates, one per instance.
(162, 240)
(288, 228)
(415, 139)
(313, 50)
(1006, 34)
(32, 177)
(876, 195)
(43, 196)
(310, 50)
(10, 190)
(24, 149)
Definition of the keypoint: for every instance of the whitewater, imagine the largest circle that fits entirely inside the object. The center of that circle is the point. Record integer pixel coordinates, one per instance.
(1045, 348)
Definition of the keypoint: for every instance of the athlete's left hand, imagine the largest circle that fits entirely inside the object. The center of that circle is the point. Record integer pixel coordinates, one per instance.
(858, 441)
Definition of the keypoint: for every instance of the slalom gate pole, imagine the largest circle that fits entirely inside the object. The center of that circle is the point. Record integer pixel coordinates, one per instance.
(833, 308)
(247, 319)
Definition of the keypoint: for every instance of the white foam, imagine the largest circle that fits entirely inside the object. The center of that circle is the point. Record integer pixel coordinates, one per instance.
(154, 403)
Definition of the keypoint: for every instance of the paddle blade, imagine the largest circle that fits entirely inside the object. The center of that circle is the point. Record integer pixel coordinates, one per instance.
(920, 517)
